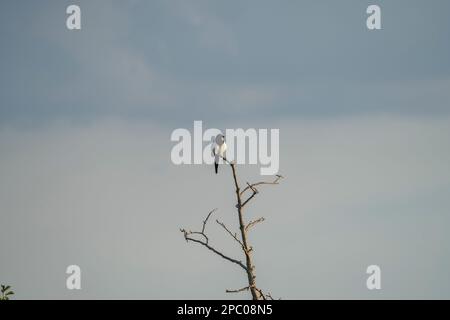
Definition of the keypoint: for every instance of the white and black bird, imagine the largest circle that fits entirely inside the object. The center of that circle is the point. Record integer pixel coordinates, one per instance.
(219, 148)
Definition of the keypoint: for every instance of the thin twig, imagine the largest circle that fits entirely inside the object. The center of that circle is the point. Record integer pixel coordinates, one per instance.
(233, 235)
(261, 294)
(186, 236)
(252, 223)
(206, 220)
(206, 242)
(251, 186)
(249, 198)
(237, 290)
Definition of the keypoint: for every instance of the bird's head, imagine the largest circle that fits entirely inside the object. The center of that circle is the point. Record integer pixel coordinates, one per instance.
(220, 139)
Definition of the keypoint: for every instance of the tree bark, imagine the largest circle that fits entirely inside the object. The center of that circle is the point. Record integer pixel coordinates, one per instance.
(245, 246)
(202, 238)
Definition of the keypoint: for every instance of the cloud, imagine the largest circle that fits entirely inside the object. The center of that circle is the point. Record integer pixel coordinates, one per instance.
(175, 61)
(211, 31)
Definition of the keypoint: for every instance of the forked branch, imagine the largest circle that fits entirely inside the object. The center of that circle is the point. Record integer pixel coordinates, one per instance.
(253, 185)
(205, 241)
(241, 238)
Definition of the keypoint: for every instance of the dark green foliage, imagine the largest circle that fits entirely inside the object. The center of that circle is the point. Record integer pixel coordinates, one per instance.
(5, 292)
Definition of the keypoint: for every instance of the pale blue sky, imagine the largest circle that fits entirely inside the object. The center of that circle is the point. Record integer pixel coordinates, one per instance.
(85, 123)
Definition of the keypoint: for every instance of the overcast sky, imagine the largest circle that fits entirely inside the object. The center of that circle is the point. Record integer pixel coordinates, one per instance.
(86, 117)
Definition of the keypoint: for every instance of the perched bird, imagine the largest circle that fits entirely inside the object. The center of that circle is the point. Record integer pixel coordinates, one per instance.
(218, 149)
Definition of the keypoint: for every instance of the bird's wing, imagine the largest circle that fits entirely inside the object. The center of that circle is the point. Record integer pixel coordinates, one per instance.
(223, 148)
(215, 149)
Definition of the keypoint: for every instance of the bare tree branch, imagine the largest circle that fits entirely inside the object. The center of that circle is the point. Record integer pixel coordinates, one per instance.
(250, 198)
(246, 247)
(263, 296)
(239, 263)
(253, 188)
(253, 185)
(205, 242)
(237, 290)
(202, 233)
(257, 294)
(206, 220)
(269, 296)
(252, 223)
(233, 235)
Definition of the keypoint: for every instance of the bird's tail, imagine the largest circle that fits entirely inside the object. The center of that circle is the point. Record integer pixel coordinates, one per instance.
(216, 166)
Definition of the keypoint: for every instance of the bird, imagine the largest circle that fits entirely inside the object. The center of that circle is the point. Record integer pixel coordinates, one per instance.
(218, 150)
